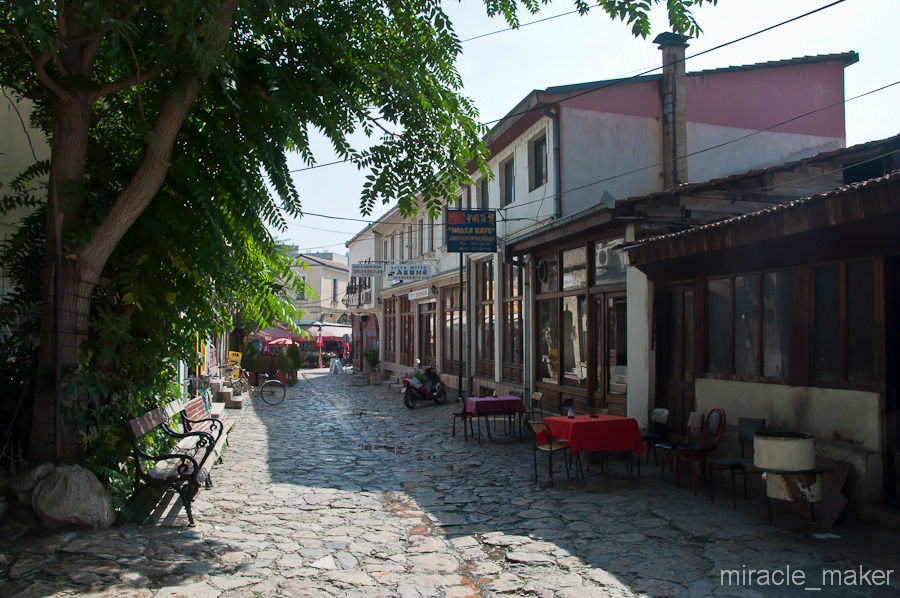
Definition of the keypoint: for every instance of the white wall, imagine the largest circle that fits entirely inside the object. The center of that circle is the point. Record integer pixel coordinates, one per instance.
(757, 151)
(600, 145)
(641, 359)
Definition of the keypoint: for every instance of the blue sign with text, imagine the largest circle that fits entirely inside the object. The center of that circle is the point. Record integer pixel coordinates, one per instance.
(471, 231)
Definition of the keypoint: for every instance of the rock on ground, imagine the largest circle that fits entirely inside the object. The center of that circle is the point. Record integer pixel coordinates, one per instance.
(72, 495)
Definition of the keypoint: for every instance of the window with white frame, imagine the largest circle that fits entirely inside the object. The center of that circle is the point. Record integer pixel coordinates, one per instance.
(421, 227)
(508, 182)
(537, 162)
(482, 194)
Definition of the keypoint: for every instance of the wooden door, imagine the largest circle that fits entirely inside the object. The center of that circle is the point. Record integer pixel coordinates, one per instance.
(675, 356)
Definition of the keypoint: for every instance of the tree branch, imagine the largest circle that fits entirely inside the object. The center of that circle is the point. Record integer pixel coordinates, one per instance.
(148, 177)
(38, 63)
(127, 82)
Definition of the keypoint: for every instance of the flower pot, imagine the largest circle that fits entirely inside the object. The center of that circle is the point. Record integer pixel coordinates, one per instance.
(252, 376)
(368, 377)
(281, 377)
(293, 374)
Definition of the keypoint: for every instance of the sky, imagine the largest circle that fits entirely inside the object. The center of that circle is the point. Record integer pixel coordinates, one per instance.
(499, 70)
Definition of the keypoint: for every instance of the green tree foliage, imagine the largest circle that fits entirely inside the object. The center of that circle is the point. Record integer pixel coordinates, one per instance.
(170, 123)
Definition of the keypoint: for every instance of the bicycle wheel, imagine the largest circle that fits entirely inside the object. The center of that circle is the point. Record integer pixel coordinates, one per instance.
(272, 392)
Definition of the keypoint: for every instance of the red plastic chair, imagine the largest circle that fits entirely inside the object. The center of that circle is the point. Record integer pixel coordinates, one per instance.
(713, 428)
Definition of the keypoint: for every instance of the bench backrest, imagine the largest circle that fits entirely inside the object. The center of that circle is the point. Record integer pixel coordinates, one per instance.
(196, 409)
(139, 426)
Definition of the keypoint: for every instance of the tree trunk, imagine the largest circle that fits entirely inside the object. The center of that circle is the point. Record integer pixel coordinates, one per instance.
(69, 151)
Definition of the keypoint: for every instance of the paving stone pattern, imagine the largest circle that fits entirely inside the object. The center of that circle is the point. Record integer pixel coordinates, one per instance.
(342, 491)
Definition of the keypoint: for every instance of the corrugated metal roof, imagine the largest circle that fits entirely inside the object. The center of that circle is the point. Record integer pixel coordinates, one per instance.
(893, 176)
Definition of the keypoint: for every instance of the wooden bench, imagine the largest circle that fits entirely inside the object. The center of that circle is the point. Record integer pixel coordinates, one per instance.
(189, 461)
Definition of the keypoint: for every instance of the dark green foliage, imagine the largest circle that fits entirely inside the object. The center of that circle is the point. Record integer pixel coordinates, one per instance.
(293, 353)
(283, 363)
(371, 357)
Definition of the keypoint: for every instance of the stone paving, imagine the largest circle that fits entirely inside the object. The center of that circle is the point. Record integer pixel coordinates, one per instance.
(341, 491)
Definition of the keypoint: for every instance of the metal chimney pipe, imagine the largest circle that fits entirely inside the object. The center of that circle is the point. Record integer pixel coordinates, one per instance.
(673, 93)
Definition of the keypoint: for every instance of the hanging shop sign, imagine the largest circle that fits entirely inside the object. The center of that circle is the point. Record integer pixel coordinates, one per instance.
(366, 270)
(407, 272)
(419, 294)
(471, 231)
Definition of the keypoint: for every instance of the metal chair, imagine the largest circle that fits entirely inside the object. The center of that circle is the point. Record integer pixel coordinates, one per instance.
(747, 428)
(537, 398)
(692, 453)
(667, 449)
(466, 418)
(548, 445)
(655, 431)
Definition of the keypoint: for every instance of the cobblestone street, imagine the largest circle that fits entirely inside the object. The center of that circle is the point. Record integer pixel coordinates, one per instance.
(340, 490)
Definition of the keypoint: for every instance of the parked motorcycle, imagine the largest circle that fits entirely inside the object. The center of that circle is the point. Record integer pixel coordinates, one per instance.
(432, 389)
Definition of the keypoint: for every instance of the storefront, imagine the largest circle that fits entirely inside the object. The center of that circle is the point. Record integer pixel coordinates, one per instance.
(580, 326)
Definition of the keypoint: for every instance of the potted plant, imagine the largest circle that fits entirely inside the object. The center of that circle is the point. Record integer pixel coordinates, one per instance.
(283, 365)
(293, 354)
(371, 357)
(251, 361)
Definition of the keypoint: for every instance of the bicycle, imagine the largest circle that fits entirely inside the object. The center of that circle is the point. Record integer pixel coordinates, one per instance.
(271, 392)
(195, 386)
(238, 385)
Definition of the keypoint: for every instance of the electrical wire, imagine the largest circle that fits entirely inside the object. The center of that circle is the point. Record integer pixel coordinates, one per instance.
(434, 224)
(626, 79)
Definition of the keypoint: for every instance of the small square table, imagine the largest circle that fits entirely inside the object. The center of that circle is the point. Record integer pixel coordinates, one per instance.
(502, 405)
(597, 433)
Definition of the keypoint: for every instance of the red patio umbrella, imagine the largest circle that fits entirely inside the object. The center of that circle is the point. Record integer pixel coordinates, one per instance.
(280, 342)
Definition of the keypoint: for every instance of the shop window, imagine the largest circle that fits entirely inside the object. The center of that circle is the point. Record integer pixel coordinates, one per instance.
(844, 323)
(610, 262)
(574, 271)
(390, 329)
(748, 325)
(546, 272)
(547, 341)
(483, 197)
(617, 345)
(453, 319)
(406, 332)
(512, 323)
(574, 338)
(484, 323)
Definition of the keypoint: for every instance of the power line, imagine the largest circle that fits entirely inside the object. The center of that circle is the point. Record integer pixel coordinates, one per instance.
(522, 25)
(612, 82)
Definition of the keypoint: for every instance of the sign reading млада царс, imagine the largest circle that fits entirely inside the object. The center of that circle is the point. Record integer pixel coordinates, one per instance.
(471, 231)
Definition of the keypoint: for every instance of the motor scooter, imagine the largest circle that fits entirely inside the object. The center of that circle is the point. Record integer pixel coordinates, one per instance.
(414, 390)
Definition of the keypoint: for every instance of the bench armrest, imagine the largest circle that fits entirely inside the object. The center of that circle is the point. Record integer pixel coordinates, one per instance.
(215, 425)
(204, 439)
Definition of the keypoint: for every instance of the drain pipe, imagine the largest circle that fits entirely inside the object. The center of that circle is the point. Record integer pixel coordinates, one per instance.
(553, 114)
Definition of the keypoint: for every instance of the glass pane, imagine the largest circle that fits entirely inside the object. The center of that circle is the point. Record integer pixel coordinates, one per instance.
(546, 274)
(673, 336)
(617, 344)
(574, 274)
(718, 324)
(746, 325)
(574, 324)
(860, 322)
(512, 346)
(688, 347)
(547, 348)
(827, 325)
(777, 324)
(601, 362)
(609, 263)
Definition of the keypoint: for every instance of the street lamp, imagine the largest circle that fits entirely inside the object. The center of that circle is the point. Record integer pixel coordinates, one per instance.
(319, 344)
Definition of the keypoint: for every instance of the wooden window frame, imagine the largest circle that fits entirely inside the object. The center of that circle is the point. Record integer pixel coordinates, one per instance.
(407, 330)
(513, 287)
(484, 306)
(390, 329)
(449, 365)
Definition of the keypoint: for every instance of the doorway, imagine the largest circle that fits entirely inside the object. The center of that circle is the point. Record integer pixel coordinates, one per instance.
(675, 356)
(427, 332)
(892, 378)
